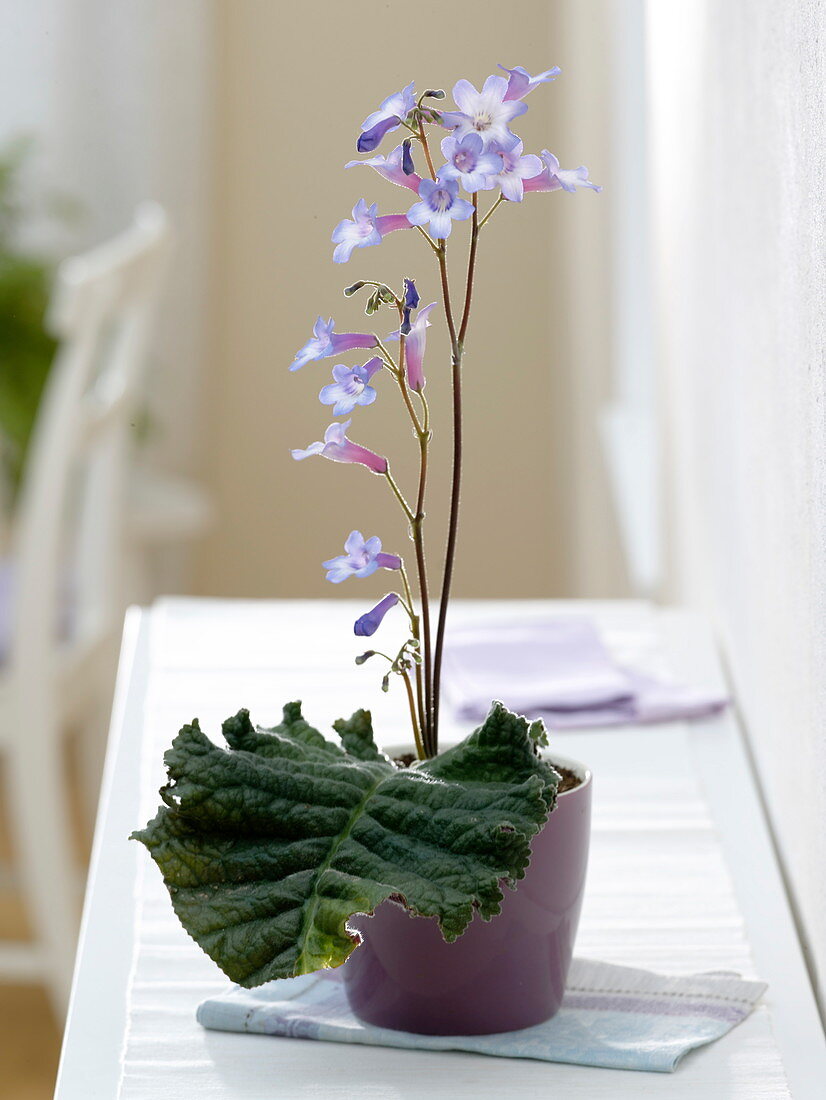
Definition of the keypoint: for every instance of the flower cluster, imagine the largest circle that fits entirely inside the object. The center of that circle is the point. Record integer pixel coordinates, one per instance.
(481, 154)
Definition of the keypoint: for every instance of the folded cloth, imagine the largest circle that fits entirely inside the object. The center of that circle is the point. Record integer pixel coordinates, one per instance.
(611, 1016)
(560, 670)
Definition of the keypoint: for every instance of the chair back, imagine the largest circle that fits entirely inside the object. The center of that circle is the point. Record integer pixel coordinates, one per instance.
(68, 530)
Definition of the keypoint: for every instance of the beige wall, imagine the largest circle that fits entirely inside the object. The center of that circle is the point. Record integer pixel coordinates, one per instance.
(294, 84)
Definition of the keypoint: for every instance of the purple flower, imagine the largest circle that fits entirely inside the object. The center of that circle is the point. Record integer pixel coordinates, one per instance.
(414, 348)
(408, 167)
(387, 118)
(325, 342)
(350, 387)
(513, 169)
(520, 82)
(361, 560)
(411, 301)
(370, 622)
(468, 163)
(486, 113)
(367, 228)
(552, 177)
(339, 448)
(361, 232)
(411, 295)
(391, 168)
(439, 205)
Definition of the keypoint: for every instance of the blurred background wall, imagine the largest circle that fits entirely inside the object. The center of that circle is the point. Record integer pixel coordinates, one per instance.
(293, 92)
(738, 101)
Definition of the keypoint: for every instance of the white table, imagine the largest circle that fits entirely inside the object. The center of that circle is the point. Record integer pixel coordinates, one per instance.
(187, 657)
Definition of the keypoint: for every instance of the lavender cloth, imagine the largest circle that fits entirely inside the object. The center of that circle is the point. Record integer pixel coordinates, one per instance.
(612, 1016)
(559, 669)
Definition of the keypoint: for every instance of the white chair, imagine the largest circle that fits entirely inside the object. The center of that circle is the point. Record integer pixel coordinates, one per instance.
(67, 553)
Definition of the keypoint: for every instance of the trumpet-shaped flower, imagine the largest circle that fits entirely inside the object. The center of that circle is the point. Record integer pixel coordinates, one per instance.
(369, 623)
(366, 228)
(361, 232)
(387, 118)
(513, 169)
(350, 387)
(520, 81)
(391, 168)
(468, 163)
(487, 113)
(440, 206)
(414, 348)
(325, 342)
(362, 558)
(554, 178)
(338, 448)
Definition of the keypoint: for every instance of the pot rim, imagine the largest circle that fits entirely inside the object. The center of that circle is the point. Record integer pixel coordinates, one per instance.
(582, 771)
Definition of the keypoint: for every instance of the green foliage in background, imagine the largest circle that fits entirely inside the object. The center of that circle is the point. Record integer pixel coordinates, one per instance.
(26, 349)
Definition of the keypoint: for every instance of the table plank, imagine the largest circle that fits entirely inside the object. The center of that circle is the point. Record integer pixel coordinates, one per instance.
(214, 655)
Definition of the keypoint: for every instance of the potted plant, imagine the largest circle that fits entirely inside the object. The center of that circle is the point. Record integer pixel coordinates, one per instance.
(284, 850)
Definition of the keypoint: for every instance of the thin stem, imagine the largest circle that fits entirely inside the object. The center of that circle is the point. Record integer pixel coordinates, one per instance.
(416, 533)
(428, 238)
(420, 752)
(495, 206)
(402, 381)
(426, 147)
(407, 604)
(456, 482)
(441, 254)
(388, 358)
(399, 495)
(471, 265)
(409, 595)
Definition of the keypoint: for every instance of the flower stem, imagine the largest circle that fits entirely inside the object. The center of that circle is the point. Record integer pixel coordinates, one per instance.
(399, 495)
(417, 535)
(428, 238)
(457, 342)
(484, 220)
(426, 147)
(420, 751)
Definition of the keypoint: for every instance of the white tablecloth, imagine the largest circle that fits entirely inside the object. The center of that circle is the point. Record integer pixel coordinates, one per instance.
(658, 896)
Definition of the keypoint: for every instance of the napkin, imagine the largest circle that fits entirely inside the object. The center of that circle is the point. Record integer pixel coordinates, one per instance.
(560, 670)
(611, 1016)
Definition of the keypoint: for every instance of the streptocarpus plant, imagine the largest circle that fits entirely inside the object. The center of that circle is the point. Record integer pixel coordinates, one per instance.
(267, 849)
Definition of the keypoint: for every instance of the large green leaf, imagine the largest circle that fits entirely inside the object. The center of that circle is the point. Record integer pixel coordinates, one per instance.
(268, 848)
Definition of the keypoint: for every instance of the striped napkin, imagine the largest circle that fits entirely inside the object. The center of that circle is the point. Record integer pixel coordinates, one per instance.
(612, 1016)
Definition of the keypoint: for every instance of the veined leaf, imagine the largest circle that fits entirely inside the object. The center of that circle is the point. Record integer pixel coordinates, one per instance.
(269, 847)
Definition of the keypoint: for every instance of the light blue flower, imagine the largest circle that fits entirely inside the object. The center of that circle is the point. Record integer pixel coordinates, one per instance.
(387, 118)
(440, 206)
(487, 113)
(513, 169)
(350, 387)
(468, 163)
(363, 558)
(520, 81)
(324, 342)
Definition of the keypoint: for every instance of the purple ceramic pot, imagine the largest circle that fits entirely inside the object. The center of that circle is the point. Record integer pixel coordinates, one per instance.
(500, 975)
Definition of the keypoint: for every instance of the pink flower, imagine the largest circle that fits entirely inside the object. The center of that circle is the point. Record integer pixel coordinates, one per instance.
(414, 348)
(391, 168)
(554, 178)
(520, 81)
(338, 448)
